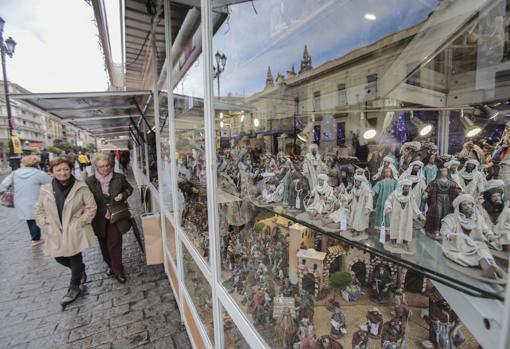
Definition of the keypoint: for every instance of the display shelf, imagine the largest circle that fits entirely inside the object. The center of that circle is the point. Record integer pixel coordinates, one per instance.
(428, 259)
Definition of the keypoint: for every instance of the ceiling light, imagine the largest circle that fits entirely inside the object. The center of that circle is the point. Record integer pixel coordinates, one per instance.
(242, 118)
(221, 115)
(370, 16)
(256, 122)
(221, 124)
(471, 129)
(368, 131)
(422, 127)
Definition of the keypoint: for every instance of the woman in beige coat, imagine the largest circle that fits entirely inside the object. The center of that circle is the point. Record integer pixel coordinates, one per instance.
(64, 213)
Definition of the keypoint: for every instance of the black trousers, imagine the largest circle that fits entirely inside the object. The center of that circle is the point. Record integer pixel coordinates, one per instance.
(111, 249)
(75, 263)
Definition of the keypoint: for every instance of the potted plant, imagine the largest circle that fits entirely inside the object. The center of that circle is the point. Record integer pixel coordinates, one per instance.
(338, 281)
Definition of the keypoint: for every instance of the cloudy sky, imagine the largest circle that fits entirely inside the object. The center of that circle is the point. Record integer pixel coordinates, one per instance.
(57, 49)
(274, 32)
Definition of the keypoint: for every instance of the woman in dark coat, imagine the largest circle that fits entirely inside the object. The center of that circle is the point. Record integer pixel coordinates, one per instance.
(109, 187)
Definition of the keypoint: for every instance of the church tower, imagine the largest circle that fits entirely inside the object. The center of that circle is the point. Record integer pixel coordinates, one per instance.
(269, 78)
(306, 63)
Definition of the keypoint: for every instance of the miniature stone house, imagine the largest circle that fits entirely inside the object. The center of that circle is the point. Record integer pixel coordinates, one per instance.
(311, 270)
(299, 236)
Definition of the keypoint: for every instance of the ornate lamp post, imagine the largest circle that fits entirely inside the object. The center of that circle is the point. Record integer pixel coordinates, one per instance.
(7, 48)
(221, 60)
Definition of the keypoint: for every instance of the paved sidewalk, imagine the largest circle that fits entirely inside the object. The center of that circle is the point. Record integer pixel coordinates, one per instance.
(139, 314)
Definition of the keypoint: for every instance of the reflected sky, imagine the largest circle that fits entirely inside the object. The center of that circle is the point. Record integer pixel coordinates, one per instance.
(273, 33)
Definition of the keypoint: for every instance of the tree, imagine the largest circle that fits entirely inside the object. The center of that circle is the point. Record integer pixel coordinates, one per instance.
(340, 280)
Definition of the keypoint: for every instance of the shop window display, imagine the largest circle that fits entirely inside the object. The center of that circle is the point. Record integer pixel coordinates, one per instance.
(200, 292)
(406, 190)
(190, 159)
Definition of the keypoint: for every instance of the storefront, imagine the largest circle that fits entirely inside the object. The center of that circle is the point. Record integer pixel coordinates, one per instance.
(271, 241)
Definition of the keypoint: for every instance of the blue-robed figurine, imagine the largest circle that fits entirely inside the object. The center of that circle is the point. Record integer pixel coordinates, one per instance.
(383, 189)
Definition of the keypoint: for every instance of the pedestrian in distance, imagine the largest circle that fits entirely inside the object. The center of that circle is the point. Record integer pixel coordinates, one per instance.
(109, 187)
(27, 181)
(64, 212)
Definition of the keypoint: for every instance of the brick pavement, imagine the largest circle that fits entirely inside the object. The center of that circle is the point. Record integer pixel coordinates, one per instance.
(139, 314)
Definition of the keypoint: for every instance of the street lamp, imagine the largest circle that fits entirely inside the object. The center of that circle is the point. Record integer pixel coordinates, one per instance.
(221, 60)
(7, 48)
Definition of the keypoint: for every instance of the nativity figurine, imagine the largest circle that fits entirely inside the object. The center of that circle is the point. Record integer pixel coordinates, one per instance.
(465, 234)
(439, 194)
(403, 208)
(360, 206)
(383, 189)
(415, 174)
(374, 323)
(381, 284)
(313, 165)
(338, 324)
(496, 213)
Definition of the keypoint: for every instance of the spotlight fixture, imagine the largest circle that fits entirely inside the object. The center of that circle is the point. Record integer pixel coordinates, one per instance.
(256, 122)
(302, 138)
(422, 127)
(241, 119)
(221, 115)
(370, 16)
(471, 129)
(491, 113)
(221, 124)
(368, 131)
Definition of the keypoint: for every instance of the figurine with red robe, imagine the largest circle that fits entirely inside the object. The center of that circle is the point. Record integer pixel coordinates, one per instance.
(439, 194)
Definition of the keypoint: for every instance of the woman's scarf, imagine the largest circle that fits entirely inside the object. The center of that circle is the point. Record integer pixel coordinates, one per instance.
(61, 190)
(104, 181)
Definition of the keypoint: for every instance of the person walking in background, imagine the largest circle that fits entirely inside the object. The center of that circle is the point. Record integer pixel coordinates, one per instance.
(112, 157)
(109, 187)
(124, 160)
(83, 160)
(64, 212)
(27, 181)
(45, 159)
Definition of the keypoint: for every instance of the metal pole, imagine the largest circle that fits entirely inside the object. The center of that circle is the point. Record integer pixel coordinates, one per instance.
(210, 161)
(13, 161)
(218, 80)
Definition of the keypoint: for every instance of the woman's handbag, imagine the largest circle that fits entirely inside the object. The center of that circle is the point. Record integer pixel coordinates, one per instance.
(7, 197)
(118, 211)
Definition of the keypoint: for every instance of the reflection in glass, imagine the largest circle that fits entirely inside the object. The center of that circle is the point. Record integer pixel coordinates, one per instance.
(199, 291)
(317, 130)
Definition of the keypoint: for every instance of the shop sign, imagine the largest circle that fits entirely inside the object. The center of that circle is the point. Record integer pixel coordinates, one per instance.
(16, 144)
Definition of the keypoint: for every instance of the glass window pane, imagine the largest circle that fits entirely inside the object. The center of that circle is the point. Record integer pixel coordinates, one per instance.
(170, 239)
(199, 291)
(335, 141)
(190, 156)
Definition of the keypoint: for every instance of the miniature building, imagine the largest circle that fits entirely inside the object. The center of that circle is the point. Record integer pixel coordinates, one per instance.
(299, 236)
(311, 270)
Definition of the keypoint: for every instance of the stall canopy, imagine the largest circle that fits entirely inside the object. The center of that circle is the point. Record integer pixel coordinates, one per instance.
(103, 114)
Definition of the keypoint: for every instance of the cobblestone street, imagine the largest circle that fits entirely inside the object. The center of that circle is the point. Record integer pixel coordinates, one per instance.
(141, 313)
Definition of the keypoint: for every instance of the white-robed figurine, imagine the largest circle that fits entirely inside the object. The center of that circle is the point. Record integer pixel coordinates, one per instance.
(402, 207)
(313, 165)
(388, 162)
(496, 213)
(415, 174)
(323, 197)
(465, 234)
(453, 172)
(472, 178)
(361, 205)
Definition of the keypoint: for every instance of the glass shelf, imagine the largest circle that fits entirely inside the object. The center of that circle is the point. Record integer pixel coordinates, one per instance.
(427, 261)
